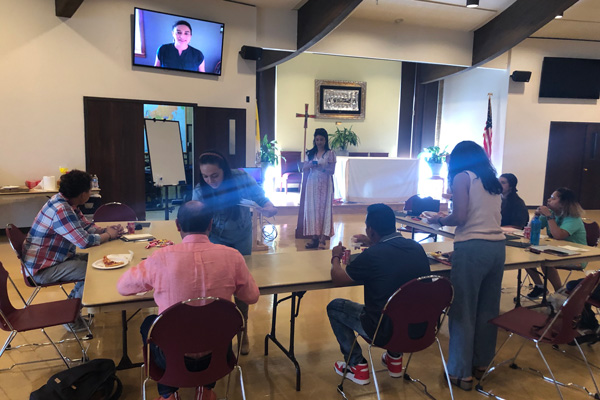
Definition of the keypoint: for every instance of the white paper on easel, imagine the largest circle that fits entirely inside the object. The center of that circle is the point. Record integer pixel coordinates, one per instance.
(49, 183)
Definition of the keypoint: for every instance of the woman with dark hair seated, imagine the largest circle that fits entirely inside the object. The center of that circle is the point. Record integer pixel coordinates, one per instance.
(562, 220)
(514, 212)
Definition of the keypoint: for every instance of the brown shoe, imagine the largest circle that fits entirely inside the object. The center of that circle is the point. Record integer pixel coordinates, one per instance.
(245, 350)
(205, 393)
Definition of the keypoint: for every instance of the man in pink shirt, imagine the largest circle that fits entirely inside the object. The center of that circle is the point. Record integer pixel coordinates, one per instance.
(194, 268)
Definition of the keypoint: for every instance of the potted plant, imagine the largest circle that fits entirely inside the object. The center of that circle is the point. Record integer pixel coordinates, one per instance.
(341, 139)
(269, 152)
(435, 156)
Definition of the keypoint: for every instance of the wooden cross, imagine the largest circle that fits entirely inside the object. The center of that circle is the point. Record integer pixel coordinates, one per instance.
(306, 116)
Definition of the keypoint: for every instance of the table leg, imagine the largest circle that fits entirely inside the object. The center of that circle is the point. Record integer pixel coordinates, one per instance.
(519, 283)
(295, 309)
(125, 362)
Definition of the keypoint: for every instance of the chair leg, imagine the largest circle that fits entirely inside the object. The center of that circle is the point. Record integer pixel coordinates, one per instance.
(491, 367)
(537, 346)
(241, 383)
(445, 368)
(340, 388)
(57, 349)
(7, 343)
(597, 395)
(374, 374)
(144, 388)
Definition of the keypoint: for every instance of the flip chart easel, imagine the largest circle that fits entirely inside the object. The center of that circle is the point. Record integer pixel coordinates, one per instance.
(166, 155)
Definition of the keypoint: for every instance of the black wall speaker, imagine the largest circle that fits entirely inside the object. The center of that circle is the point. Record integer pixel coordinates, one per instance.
(251, 53)
(521, 76)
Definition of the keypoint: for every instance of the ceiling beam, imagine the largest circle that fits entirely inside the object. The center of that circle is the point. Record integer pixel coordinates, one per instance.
(434, 72)
(66, 8)
(316, 19)
(513, 25)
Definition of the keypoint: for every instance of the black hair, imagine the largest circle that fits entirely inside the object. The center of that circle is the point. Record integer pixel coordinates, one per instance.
(74, 183)
(512, 181)
(381, 218)
(226, 196)
(469, 156)
(310, 154)
(182, 22)
(194, 217)
(569, 203)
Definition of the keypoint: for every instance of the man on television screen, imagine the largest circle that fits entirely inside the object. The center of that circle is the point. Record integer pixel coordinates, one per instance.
(179, 54)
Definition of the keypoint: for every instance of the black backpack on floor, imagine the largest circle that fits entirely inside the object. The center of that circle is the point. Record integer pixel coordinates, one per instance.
(94, 380)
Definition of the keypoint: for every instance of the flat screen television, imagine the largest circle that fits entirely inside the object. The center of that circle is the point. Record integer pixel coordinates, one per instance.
(176, 42)
(574, 78)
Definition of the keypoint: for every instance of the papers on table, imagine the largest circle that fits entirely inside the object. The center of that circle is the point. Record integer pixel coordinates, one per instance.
(558, 250)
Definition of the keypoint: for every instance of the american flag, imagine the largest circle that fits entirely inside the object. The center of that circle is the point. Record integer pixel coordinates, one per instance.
(487, 132)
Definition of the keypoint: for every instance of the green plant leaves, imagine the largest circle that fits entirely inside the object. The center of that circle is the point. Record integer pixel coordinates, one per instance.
(342, 138)
(269, 151)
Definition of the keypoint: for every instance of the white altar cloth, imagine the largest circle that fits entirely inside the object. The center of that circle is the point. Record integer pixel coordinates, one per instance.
(375, 179)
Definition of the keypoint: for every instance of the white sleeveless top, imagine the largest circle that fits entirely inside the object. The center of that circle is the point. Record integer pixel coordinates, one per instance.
(483, 214)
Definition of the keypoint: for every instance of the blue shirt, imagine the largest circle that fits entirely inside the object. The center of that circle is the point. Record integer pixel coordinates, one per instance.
(190, 59)
(228, 227)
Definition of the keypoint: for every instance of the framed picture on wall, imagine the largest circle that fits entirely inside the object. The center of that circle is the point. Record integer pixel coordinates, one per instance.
(340, 99)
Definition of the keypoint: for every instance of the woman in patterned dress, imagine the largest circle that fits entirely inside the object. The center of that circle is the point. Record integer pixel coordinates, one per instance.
(318, 200)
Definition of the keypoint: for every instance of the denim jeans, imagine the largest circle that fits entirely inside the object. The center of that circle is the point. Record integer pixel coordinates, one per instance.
(191, 364)
(477, 270)
(72, 269)
(344, 317)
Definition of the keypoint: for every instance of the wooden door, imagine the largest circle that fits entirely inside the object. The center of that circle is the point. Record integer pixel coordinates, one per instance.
(114, 149)
(221, 129)
(574, 161)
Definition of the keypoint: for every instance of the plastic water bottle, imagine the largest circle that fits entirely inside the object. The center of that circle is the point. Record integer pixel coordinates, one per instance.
(95, 182)
(536, 226)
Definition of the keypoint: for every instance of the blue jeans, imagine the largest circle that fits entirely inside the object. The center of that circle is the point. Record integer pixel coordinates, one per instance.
(344, 317)
(69, 270)
(477, 270)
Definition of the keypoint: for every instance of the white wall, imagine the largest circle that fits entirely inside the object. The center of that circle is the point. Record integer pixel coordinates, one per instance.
(464, 109)
(49, 64)
(296, 86)
(528, 117)
(389, 41)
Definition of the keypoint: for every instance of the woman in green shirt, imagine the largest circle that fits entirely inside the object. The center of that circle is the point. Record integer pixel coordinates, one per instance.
(562, 219)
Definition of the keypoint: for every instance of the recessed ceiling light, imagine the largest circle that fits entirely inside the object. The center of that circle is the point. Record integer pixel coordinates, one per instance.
(559, 16)
(472, 3)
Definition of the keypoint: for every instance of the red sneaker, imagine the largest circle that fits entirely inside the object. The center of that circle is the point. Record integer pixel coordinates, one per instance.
(173, 396)
(393, 364)
(358, 374)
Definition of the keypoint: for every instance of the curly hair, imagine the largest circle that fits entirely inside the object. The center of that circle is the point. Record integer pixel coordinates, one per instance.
(74, 183)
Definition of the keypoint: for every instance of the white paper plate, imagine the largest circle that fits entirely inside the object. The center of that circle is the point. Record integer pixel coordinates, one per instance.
(123, 261)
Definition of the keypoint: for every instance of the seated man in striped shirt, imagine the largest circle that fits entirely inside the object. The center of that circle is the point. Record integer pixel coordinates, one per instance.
(60, 227)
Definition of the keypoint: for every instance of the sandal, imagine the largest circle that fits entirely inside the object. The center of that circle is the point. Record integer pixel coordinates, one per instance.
(461, 383)
(313, 244)
(322, 246)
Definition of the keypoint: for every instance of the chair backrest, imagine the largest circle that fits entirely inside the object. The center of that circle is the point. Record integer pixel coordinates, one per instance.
(6, 306)
(191, 329)
(290, 164)
(114, 212)
(415, 310)
(372, 154)
(358, 154)
(592, 233)
(563, 327)
(16, 238)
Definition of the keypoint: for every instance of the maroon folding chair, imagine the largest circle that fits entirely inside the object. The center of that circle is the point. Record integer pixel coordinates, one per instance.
(423, 304)
(16, 239)
(37, 316)
(554, 330)
(194, 327)
(114, 211)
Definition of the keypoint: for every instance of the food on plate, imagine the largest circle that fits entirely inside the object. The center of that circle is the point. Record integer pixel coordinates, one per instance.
(110, 263)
